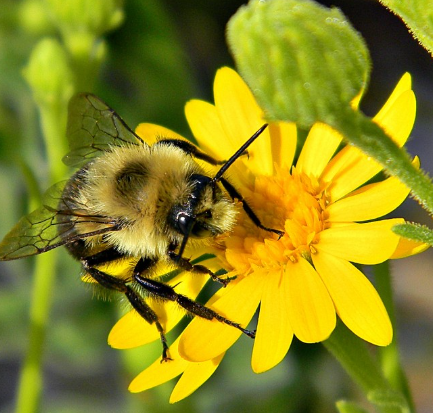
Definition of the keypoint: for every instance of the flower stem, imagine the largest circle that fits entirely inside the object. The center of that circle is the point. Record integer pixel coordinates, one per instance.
(30, 382)
(53, 120)
(354, 356)
(389, 356)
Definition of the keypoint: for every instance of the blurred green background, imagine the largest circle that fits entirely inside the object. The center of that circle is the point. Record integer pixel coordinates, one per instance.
(164, 54)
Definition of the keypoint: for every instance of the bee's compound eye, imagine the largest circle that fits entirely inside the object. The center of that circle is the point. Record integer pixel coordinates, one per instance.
(206, 214)
(199, 230)
(184, 223)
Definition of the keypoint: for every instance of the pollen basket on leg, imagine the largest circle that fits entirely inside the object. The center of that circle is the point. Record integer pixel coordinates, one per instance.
(292, 202)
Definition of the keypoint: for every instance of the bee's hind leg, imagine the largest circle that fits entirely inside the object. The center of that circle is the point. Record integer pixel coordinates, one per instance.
(117, 284)
(167, 292)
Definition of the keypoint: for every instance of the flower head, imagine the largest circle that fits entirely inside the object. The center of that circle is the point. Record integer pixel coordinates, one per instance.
(307, 277)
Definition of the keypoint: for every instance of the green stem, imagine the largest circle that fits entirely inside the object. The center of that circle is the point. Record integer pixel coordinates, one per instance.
(390, 355)
(372, 140)
(53, 119)
(354, 356)
(30, 382)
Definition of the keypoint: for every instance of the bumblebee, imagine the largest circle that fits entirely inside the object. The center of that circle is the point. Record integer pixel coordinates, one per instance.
(130, 200)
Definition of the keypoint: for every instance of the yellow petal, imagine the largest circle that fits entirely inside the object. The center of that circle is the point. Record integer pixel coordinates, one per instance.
(151, 133)
(203, 339)
(321, 143)
(311, 310)
(133, 331)
(404, 85)
(397, 121)
(158, 373)
(206, 127)
(193, 377)
(241, 117)
(369, 243)
(369, 202)
(357, 99)
(407, 248)
(357, 302)
(283, 141)
(348, 170)
(274, 334)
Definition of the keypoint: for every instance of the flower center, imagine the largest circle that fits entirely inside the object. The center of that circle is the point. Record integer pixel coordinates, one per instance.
(292, 202)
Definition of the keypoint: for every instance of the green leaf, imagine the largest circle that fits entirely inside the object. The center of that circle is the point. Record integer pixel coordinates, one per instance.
(304, 62)
(344, 406)
(418, 17)
(415, 232)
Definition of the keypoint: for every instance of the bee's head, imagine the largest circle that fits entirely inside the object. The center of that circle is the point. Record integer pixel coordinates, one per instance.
(206, 212)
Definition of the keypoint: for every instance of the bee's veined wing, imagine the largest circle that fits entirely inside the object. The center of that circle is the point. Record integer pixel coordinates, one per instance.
(92, 128)
(52, 225)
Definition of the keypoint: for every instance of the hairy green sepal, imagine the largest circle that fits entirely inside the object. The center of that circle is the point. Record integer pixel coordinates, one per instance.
(417, 15)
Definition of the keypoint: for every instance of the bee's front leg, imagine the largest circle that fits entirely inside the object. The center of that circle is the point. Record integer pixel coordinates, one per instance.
(186, 265)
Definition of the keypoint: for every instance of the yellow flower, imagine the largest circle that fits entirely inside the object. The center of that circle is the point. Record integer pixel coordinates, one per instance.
(303, 280)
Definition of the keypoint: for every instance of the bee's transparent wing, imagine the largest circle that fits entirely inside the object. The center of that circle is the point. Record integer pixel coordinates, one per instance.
(52, 225)
(92, 128)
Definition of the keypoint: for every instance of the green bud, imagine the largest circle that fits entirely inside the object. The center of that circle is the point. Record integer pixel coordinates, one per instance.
(82, 24)
(48, 74)
(304, 62)
(89, 16)
(51, 80)
(86, 47)
(34, 19)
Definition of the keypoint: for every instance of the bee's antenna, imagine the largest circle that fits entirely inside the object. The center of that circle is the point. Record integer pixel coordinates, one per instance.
(238, 153)
(234, 194)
